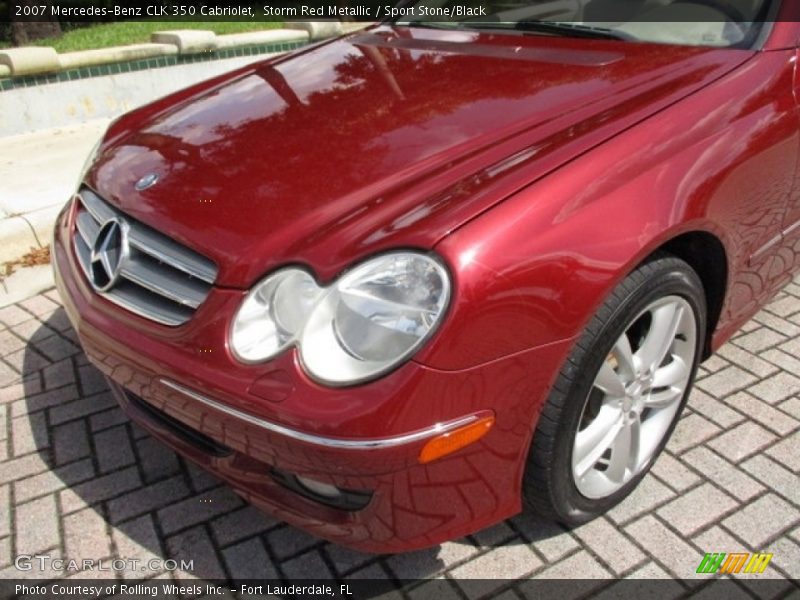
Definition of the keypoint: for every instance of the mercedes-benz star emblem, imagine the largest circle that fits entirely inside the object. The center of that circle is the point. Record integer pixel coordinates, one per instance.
(147, 181)
(109, 253)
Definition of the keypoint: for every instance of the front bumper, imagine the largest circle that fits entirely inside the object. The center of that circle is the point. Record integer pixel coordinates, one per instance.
(272, 418)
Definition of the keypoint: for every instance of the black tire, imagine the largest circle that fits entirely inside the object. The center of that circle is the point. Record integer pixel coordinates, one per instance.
(548, 485)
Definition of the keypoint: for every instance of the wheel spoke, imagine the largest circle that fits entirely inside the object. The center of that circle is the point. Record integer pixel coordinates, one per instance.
(658, 341)
(622, 351)
(672, 374)
(664, 398)
(625, 452)
(592, 442)
(609, 381)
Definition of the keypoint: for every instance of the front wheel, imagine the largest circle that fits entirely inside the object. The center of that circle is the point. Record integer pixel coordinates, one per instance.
(619, 394)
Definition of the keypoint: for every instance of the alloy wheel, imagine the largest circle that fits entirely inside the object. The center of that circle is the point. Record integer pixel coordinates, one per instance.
(634, 398)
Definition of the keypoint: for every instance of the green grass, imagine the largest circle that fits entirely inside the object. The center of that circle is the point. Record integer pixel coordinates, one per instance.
(137, 32)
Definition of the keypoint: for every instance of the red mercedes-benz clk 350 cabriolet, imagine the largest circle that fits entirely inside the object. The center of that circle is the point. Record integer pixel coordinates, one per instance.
(395, 286)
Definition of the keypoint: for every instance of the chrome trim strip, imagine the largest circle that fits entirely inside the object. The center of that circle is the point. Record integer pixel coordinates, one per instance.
(765, 248)
(791, 229)
(347, 444)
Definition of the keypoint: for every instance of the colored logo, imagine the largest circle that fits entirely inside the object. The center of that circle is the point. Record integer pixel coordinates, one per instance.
(734, 562)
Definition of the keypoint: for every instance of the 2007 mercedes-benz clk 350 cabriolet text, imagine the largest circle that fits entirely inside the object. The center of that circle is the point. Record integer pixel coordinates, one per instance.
(396, 286)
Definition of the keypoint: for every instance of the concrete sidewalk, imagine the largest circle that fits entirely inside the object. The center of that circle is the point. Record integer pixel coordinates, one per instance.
(38, 172)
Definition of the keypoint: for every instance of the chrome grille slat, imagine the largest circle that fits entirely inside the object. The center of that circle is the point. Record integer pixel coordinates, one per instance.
(159, 279)
(87, 227)
(96, 206)
(165, 250)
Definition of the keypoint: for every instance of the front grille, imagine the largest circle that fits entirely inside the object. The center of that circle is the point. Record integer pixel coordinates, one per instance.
(156, 277)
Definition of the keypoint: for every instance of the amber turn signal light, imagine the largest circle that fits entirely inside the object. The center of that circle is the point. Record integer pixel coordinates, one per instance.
(451, 441)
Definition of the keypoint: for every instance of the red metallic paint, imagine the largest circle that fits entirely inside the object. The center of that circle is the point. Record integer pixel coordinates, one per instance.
(541, 169)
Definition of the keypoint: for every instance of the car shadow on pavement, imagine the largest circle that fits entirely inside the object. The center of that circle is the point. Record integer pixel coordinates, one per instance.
(106, 489)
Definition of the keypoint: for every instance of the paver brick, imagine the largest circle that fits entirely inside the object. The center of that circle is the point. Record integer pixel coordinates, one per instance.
(22, 467)
(36, 525)
(107, 418)
(147, 498)
(56, 348)
(23, 386)
(769, 417)
(81, 408)
(138, 539)
(741, 441)
(7, 375)
(156, 460)
(690, 431)
(25, 361)
(92, 380)
(783, 307)
(492, 536)
(197, 509)
(760, 339)
(249, 560)
(724, 474)
(515, 561)
(791, 407)
(776, 388)
(747, 360)
(696, 509)
(39, 305)
(761, 520)
(787, 451)
(777, 477)
(70, 442)
(52, 481)
(310, 562)
(113, 448)
(674, 473)
(195, 545)
(345, 560)
(729, 380)
(99, 489)
(645, 497)
(13, 315)
(592, 575)
(610, 545)
(786, 557)
(288, 541)
(241, 523)
(9, 342)
(672, 551)
(36, 402)
(713, 409)
(85, 534)
(5, 511)
(59, 374)
(29, 434)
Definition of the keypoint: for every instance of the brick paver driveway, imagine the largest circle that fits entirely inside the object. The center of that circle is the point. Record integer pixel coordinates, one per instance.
(78, 480)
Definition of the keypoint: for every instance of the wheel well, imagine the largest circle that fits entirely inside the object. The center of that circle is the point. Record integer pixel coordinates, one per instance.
(706, 255)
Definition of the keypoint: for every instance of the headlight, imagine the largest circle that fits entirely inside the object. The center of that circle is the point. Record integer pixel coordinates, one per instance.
(361, 326)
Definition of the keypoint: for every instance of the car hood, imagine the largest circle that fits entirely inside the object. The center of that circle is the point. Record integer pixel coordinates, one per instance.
(385, 138)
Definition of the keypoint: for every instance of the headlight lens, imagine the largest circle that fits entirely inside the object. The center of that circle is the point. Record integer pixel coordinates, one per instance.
(361, 326)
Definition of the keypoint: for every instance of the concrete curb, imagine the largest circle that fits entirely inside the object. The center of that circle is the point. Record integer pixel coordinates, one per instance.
(18, 238)
(37, 60)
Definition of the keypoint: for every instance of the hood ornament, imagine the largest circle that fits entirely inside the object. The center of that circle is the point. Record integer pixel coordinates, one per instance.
(147, 181)
(109, 254)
